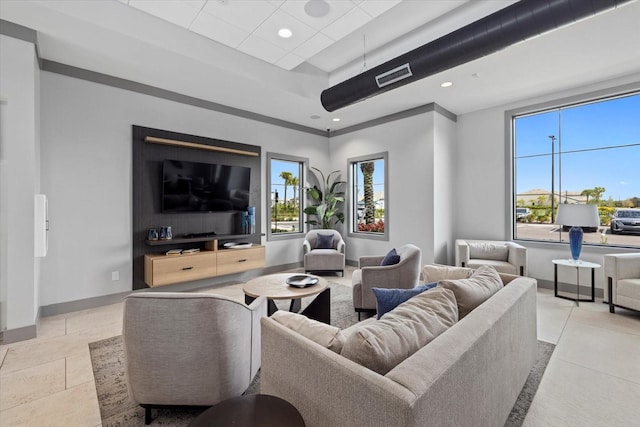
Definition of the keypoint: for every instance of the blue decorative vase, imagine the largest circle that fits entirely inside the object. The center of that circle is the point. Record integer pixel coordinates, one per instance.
(575, 241)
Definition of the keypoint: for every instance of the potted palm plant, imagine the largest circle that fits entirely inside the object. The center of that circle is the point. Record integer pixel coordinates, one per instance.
(326, 199)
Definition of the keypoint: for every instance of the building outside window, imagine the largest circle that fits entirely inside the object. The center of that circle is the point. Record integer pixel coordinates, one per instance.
(368, 183)
(285, 201)
(580, 153)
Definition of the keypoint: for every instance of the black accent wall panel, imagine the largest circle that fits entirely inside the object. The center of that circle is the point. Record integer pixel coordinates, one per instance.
(147, 193)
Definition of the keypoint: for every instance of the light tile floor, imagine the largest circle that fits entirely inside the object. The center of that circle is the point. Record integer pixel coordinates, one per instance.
(593, 378)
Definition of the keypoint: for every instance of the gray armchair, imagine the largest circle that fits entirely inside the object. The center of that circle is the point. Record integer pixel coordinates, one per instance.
(189, 349)
(505, 257)
(405, 274)
(328, 259)
(622, 272)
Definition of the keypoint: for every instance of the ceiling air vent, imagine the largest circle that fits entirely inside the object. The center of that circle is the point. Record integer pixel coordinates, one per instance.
(392, 76)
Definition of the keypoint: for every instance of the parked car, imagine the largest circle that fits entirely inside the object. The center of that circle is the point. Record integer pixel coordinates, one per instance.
(522, 213)
(625, 220)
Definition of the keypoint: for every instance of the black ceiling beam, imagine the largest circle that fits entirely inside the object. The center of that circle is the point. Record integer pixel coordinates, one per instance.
(515, 23)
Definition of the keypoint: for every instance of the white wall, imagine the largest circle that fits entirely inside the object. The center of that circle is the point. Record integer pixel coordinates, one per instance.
(418, 162)
(483, 177)
(19, 80)
(86, 173)
(444, 167)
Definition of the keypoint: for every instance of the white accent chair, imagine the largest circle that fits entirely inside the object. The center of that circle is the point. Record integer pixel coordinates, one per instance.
(505, 257)
(323, 260)
(370, 274)
(622, 272)
(189, 349)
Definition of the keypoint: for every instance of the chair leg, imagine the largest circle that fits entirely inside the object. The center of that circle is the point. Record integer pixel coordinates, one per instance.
(147, 415)
(612, 308)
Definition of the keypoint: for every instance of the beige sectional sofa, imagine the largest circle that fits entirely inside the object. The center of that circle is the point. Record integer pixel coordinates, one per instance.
(470, 375)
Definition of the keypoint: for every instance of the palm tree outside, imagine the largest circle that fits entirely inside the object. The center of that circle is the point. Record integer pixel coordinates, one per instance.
(367, 169)
(286, 176)
(295, 182)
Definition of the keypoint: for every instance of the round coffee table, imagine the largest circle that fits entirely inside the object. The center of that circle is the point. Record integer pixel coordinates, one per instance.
(254, 410)
(274, 287)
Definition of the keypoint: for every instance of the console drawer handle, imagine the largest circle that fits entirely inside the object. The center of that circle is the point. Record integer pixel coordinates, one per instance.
(187, 268)
(243, 260)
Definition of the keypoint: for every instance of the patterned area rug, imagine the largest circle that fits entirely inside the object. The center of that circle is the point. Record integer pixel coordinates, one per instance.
(118, 410)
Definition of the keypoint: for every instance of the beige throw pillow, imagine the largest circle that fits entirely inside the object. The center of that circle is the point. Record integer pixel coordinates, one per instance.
(326, 335)
(475, 290)
(435, 273)
(383, 344)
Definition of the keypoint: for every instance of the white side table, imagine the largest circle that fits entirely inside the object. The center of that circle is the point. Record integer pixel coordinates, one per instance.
(577, 264)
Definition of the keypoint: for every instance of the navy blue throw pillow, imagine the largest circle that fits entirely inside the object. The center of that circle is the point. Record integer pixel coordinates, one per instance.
(324, 241)
(388, 299)
(391, 258)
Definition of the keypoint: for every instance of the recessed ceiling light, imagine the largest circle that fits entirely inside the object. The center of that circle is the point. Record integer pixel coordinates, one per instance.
(316, 8)
(285, 33)
(314, 117)
(446, 84)
(336, 119)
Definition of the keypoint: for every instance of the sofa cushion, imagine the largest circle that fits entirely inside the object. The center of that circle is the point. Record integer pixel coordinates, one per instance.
(391, 258)
(475, 290)
(483, 250)
(326, 335)
(387, 298)
(324, 241)
(383, 344)
(435, 273)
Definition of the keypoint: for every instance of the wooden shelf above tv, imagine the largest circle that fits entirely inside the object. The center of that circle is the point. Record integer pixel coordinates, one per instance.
(185, 144)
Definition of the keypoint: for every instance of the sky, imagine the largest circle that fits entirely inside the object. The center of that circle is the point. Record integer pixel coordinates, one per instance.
(581, 133)
(278, 183)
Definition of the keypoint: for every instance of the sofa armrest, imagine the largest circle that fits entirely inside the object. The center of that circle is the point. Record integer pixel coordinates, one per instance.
(462, 253)
(619, 267)
(340, 246)
(344, 393)
(518, 257)
(386, 276)
(622, 266)
(306, 247)
(368, 261)
(258, 309)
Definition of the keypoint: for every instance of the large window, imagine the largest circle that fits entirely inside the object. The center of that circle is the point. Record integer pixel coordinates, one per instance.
(580, 153)
(285, 176)
(368, 182)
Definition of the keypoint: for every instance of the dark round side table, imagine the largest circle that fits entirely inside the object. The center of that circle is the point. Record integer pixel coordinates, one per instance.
(254, 410)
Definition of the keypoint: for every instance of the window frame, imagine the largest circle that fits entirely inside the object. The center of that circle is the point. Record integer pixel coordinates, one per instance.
(510, 175)
(303, 164)
(352, 211)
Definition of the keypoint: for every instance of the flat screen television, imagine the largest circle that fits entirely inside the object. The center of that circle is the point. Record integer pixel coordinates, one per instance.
(204, 187)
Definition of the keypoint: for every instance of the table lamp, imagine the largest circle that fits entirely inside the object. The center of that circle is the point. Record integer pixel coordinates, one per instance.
(577, 216)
